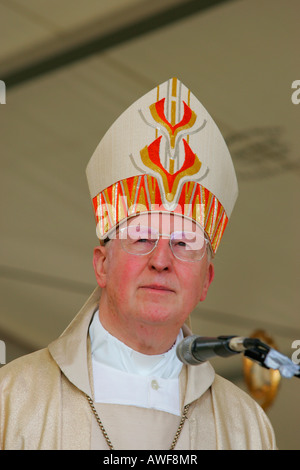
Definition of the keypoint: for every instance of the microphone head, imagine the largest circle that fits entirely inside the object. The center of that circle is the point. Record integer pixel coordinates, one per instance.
(184, 351)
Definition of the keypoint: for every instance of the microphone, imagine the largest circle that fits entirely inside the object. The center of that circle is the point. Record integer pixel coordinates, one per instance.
(194, 349)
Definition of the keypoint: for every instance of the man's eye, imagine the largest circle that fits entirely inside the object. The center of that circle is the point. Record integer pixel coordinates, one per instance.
(183, 245)
(180, 243)
(145, 240)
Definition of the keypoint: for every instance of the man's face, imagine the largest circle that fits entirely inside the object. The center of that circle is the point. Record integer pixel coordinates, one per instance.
(153, 289)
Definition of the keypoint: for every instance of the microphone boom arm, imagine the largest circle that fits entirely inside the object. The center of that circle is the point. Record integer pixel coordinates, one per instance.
(194, 350)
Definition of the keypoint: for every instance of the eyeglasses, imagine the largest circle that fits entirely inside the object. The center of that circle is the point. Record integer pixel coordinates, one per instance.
(186, 246)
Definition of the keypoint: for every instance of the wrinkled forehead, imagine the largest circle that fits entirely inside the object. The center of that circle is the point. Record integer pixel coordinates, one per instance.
(165, 222)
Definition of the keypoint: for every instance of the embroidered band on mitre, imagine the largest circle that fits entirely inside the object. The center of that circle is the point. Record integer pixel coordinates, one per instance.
(164, 153)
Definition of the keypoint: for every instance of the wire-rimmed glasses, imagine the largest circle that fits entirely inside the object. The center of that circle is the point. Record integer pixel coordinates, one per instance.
(142, 240)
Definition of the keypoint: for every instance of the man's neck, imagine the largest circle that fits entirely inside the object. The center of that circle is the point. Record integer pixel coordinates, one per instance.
(143, 337)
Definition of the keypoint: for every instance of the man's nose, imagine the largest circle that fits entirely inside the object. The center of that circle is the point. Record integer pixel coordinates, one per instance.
(161, 257)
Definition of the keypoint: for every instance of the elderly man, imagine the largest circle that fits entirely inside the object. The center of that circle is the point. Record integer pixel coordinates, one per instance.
(163, 188)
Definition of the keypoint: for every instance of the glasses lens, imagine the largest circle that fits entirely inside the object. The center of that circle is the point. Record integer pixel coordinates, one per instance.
(138, 240)
(141, 240)
(188, 246)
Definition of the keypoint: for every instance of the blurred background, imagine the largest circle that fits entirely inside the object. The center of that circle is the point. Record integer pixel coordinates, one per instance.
(71, 67)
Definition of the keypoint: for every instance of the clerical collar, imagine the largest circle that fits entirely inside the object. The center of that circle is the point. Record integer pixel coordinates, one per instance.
(109, 351)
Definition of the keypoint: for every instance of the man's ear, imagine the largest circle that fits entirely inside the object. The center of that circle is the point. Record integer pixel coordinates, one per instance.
(99, 263)
(210, 274)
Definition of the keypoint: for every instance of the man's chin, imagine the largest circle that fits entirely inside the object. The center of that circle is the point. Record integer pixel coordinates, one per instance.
(157, 315)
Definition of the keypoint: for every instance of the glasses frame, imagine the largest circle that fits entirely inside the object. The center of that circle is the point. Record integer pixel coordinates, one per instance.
(166, 235)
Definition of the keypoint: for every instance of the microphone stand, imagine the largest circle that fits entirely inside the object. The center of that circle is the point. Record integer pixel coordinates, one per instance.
(267, 357)
(196, 349)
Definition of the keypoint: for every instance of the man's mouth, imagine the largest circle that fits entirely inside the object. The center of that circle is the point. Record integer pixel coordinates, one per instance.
(157, 287)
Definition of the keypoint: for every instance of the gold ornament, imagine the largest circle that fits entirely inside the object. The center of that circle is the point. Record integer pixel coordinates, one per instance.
(262, 383)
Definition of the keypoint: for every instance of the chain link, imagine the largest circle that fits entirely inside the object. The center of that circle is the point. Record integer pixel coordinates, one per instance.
(107, 439)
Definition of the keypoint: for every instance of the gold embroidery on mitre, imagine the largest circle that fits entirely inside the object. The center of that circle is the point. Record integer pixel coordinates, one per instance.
(152, 187)
(158, 115)
(130, 197)
(174, 86)
(190, 186)
(141, 202)
(170, 185)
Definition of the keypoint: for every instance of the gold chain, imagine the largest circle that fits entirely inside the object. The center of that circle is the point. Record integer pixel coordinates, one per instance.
(182, 421)
(108, 441)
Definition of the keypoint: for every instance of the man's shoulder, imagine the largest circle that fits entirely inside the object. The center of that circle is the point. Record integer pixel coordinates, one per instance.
(33, 366)
(231, 393)
(249, 424)
(237, 402)
(226, 386)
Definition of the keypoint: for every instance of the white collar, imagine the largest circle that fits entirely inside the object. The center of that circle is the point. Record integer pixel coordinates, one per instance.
(109, 351)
